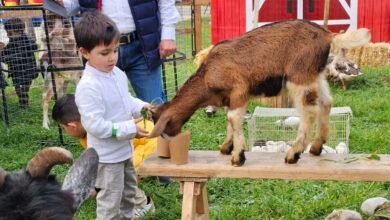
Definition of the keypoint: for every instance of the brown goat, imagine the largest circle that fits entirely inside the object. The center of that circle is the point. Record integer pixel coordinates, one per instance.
(259, 63)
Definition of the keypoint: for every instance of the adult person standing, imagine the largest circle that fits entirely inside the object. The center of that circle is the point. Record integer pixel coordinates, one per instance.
(147, 30)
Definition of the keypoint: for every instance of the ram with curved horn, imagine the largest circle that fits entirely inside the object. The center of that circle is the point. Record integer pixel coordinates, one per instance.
(33, 193)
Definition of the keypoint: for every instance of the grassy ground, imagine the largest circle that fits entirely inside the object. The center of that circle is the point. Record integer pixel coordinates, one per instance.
(368, 97)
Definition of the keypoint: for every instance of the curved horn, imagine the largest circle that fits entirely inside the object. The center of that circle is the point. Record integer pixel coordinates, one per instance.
(41, 164)
(2, 176)
(159, 127)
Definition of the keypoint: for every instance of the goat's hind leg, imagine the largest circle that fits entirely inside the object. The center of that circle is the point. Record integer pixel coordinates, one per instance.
(323, 116)
(46, 97)
(305, 100)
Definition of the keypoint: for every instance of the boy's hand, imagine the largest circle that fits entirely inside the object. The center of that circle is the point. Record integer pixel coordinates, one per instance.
(141, 132)
(146, 113)
(2, 45)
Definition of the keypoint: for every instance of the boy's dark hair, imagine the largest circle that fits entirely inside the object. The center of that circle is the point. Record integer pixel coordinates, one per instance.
(65, 110)
(94, 29)
(14, 24)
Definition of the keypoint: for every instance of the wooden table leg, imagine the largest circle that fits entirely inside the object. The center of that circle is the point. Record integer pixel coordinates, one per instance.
(195, 203)
(188, 204)
(202, 203)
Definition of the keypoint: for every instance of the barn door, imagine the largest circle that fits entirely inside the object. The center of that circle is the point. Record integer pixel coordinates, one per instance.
(342, 13)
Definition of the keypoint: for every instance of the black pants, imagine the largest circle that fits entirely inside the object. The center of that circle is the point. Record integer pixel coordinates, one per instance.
(22, 92)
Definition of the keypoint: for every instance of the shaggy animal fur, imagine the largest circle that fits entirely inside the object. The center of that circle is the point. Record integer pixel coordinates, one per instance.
(257, 64)
(34, 194)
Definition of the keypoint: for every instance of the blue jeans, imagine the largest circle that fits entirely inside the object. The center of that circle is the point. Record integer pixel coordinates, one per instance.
(146, 83)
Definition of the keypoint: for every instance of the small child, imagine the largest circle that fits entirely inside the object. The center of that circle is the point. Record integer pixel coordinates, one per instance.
(66, 114)
(106, 108)
(19, 56)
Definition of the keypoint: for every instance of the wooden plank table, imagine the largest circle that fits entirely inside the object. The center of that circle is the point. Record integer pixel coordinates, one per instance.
(203, 165)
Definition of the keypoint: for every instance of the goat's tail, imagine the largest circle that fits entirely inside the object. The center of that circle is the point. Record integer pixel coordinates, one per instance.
(201, 55)
(352, 39)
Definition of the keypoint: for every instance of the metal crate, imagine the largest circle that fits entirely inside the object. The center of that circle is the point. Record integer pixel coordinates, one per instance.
(280, 126)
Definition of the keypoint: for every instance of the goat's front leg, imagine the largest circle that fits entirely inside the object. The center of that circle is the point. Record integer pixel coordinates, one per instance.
(235, 118)
(227, 145)
(305, 100)
(325, 105)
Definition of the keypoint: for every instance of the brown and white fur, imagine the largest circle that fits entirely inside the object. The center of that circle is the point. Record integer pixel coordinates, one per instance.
(340, 68)
(63, 55)
(258, 64)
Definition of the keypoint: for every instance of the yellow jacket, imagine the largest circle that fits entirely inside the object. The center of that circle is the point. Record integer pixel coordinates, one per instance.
(143, 147)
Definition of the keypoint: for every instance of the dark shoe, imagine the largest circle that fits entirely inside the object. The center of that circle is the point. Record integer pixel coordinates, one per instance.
(165, 180)
(210, 111)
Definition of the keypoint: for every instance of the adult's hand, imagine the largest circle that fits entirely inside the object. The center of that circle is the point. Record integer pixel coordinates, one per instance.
(167, 48)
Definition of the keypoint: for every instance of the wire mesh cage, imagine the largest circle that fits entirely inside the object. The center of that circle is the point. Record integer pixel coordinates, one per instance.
(47, 61)
(275, 129)
(192, 34)
(38, 61)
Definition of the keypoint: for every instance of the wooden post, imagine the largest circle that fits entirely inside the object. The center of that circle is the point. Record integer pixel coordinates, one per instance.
(198, 26)
(326, 13)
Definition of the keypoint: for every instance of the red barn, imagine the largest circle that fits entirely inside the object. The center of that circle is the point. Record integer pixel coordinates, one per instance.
(231, 18)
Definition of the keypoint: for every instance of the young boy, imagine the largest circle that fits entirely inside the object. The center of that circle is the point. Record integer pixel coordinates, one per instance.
(19, 56)
(66, 114)
(106, 108)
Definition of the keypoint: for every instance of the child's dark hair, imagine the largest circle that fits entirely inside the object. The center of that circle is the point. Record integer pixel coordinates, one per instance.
(65, 110)
(94, 29)
(14, 24)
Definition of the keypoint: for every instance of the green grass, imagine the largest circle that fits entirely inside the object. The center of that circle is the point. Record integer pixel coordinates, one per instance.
(368, 96)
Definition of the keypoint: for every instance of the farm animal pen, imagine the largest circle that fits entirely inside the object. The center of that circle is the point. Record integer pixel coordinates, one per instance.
(175, 70)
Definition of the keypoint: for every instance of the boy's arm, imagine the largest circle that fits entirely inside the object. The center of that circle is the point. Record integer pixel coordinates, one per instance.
(32, 45)
(137, 105)
(92, 112)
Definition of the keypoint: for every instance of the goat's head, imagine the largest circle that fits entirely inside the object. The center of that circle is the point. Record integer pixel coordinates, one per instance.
(168, 121)
(341, 67)
(34, 194)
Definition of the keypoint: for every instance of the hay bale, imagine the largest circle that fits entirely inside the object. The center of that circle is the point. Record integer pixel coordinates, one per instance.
(370, 55)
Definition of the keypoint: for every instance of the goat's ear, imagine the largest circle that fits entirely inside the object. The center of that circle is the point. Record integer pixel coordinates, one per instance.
(159, 127)
(82, 176)
(330, 59)
(2, 177)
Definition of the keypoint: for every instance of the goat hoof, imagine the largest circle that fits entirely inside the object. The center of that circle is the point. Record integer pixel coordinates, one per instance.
(241, 159)
(227, 149)
(292, 159)
(46, 126)
(316, 148)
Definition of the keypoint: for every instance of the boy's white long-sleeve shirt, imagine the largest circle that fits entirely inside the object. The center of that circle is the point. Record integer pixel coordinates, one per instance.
(104, 103)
